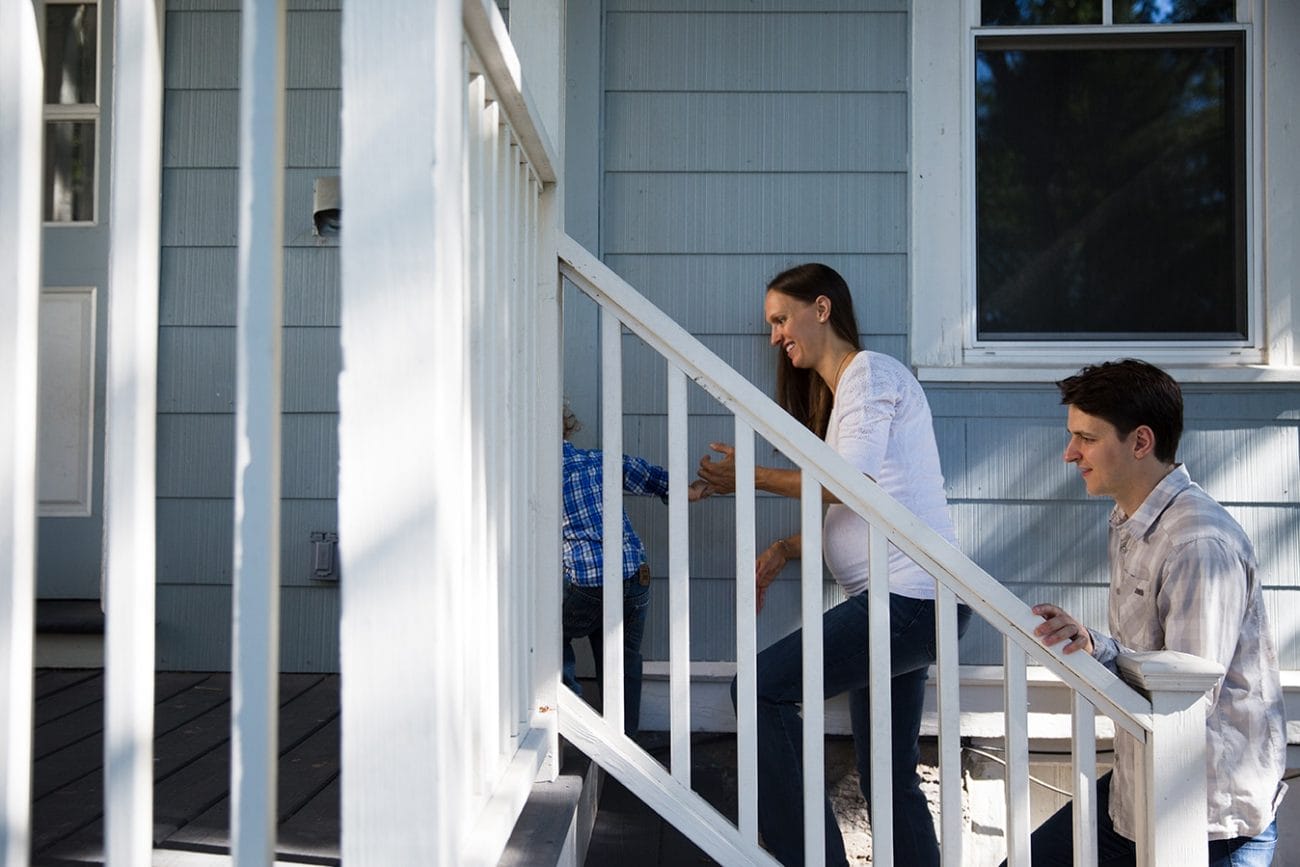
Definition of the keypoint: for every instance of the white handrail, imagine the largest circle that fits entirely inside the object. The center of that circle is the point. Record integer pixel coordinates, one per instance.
(487, 34)
(984, 594)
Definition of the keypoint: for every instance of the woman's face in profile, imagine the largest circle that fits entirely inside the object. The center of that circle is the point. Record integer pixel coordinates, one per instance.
(797, 327)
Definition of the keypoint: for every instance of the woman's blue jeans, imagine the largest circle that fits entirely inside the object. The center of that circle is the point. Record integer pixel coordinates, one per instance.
(780, 726)
(583, 617)
(1052, 843)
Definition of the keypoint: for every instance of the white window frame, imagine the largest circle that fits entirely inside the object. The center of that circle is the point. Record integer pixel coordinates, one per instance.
(83, 112)
(942, 253)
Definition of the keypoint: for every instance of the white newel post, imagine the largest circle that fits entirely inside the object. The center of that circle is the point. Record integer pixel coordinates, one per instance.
(1171, 821)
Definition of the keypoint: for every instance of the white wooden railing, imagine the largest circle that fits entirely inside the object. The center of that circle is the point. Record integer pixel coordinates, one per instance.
(449, 436)
(449, 490)
(1167, 719)
(447, 505)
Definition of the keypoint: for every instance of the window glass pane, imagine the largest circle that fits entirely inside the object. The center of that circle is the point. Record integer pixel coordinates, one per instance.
(1110, 189)
(1008, 12)
(1175, 11)
(71, 51)
(70, 171)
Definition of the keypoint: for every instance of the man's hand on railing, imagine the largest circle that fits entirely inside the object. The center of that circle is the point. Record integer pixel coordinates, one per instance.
(1058, 625)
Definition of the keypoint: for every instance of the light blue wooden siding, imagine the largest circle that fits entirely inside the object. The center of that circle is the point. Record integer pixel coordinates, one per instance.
(1024, 516)
(740, 139)
(743, 136)
(197, 335)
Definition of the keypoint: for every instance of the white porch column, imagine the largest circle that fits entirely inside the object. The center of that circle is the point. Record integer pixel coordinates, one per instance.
(130, 433)
(20, 277)
(404, 463)
(1174, 800)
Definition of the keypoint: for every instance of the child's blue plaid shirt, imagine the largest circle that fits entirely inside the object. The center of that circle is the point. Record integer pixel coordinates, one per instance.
(583, 513)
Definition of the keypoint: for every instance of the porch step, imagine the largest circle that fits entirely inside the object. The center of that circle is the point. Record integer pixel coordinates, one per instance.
(69, 617)
(555, 825)
(69, 633)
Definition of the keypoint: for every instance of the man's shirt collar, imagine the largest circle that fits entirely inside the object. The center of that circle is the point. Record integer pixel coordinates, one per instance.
(1140, 522)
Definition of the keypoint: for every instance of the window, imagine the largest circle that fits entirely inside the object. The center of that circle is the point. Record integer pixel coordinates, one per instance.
(71, 45)
(1096, 178)
(1110, 187)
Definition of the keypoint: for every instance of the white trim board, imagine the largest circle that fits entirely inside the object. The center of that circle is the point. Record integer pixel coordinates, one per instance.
(981, 704)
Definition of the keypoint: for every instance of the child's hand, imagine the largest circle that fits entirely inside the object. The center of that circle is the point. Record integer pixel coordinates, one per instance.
(698, 490)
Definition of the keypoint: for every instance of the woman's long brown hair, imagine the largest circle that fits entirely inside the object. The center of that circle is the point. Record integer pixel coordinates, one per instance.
(803, 393)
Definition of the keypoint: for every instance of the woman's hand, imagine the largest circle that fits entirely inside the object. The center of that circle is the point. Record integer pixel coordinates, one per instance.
(1058, 626)
(767, 566)
(719, 475)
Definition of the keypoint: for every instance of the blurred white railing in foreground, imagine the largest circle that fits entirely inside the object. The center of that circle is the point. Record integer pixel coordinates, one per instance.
(1169, 723)
(449, 436)
(449, 476)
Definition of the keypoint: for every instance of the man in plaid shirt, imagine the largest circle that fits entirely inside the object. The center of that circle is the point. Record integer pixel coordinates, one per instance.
(1182, 577)
(583, 564)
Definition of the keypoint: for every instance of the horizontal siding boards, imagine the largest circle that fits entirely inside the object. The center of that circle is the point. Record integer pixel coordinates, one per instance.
(196, 455)
(726, 213)
(201, 129)
(711, 185)
(756, 5)
(236, 5)
(196, 370)
(1036, 544)
(195, 540)
(313, 49)
(311, 128)
(764, 132)
(194, 628)
(311, 286)
(197, 338)
(200, 207)
(724, 294)
(310, 457)
(817, 53)
(1245, 464)
(1017, 460)
(202, 50)
(198, 286)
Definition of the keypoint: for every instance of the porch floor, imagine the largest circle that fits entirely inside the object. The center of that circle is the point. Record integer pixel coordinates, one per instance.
(191, 767)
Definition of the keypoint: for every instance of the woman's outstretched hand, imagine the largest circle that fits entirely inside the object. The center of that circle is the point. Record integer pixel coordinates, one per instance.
(720, 474)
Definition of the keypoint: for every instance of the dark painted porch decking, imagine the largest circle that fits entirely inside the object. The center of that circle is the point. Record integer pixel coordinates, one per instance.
(191, 766)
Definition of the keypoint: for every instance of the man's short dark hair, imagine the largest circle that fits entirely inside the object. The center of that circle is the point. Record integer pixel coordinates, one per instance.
(1129, 393)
